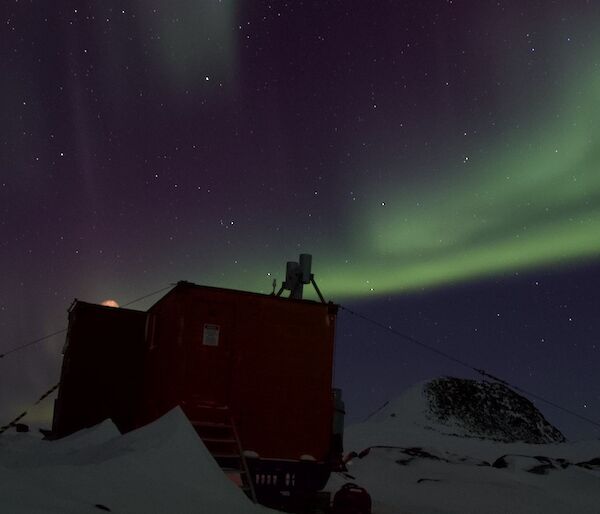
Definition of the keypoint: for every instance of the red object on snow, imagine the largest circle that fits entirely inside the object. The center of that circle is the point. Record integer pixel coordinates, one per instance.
(352, 499)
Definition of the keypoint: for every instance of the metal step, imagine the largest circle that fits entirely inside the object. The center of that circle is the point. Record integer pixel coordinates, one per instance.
(215, 426)
(210, 424)
(215, 440)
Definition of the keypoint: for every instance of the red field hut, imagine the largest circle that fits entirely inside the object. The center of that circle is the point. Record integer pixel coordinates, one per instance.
(252, 372)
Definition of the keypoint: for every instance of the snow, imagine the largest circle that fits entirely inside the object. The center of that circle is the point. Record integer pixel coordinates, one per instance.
(412, 464)
(421, 466)
(160, 468)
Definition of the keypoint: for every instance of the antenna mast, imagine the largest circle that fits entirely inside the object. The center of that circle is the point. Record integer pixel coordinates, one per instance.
(297, 274)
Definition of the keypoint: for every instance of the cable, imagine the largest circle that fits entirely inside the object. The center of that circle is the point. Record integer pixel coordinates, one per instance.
(62, 331)
(555, 405)
(24, 413)
(480, 371)
(148, 295)
(409, 338)
(30, 343)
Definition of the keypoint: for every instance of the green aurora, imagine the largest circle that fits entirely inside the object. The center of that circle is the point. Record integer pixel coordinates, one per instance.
(526, 202)
(524, 199)
(534, 203)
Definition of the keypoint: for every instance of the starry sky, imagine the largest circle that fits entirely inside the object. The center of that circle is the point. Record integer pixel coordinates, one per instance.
(439, 160)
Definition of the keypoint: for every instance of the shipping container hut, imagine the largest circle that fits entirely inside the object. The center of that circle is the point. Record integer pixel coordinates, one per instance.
(261, 361)
(102, 370)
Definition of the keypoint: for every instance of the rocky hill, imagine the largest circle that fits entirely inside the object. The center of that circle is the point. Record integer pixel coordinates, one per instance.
(468, 410)
(488, 410)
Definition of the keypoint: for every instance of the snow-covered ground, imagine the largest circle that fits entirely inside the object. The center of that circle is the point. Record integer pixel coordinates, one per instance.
(417, 465)
(161, 468)
(413, 463)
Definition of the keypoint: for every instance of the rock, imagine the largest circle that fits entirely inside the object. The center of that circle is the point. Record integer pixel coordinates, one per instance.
(590, 464)
(537, 465)
(488, 410)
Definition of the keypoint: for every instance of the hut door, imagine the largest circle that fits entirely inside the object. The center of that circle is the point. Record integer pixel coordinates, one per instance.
(209, 351)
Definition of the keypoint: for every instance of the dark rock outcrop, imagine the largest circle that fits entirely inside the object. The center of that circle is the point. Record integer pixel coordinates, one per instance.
(538, 465)
(488, 410)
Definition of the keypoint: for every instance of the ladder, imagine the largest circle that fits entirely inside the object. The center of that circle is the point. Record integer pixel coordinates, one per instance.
(215, 426)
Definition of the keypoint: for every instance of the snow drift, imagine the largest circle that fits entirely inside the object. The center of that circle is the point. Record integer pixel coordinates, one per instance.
(161, 468)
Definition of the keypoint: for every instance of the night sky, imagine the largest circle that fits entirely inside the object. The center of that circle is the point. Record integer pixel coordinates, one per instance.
(439, 160)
